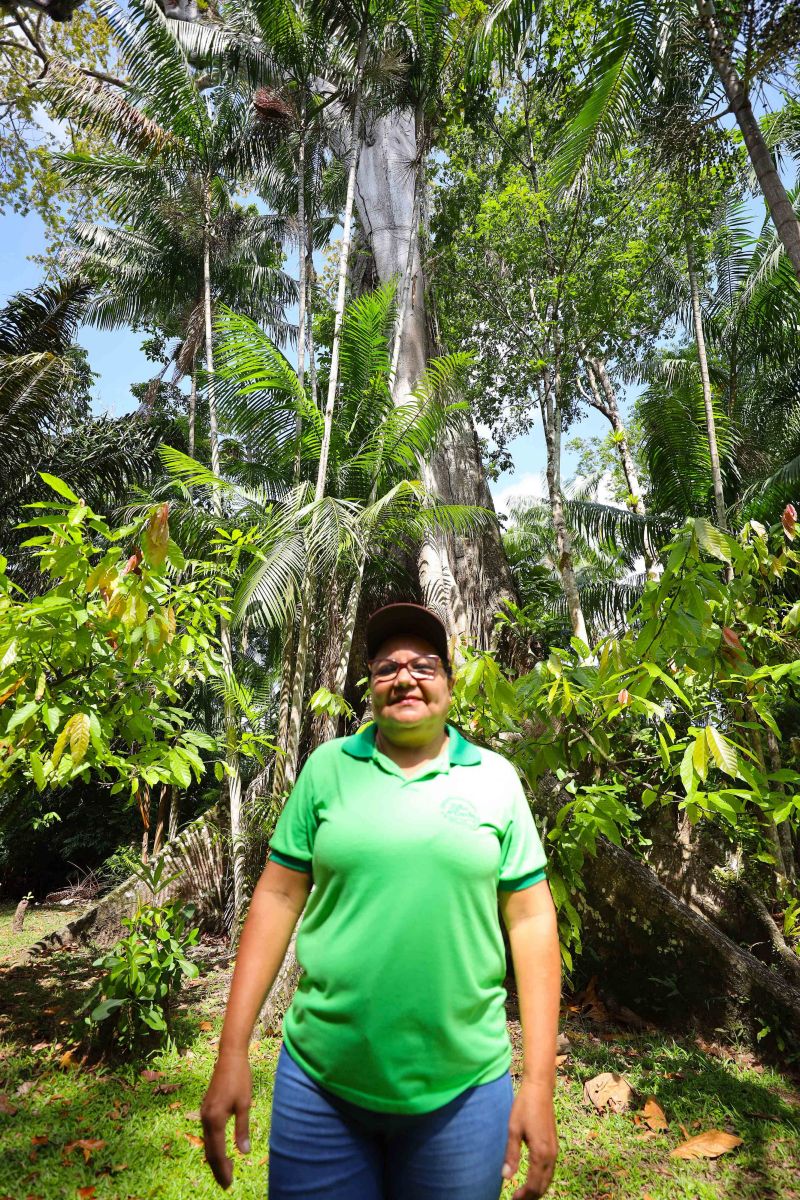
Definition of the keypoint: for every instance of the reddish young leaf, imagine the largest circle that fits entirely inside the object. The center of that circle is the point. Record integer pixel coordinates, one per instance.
(789, 520)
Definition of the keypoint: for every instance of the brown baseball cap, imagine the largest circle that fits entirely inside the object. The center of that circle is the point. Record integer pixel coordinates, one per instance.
(396, 619)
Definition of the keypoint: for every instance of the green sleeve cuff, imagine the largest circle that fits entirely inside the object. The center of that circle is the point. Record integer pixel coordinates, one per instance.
(286, 860)
(525, 881)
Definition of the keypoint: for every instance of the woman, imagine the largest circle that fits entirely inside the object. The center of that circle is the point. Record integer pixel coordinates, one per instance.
(393, 1080)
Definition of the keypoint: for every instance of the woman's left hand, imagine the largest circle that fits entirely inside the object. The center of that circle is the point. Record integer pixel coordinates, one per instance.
(532, 1121)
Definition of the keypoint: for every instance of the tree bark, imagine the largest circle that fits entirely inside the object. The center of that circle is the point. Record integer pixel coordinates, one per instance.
(632, 917)
(702, 358)
(231, 754)
(466, 580)
(19, 916)
(780, 207)
(161, 819)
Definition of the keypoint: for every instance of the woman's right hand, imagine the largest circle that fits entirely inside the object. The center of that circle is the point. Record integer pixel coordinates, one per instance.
(229, 1095)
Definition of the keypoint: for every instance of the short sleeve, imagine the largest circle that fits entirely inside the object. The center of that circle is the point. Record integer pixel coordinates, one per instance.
(292, 843)
(522, 857)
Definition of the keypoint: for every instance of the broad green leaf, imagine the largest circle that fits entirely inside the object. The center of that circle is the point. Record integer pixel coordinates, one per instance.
(60, 746)
(699, 755)
(722, 751)
(21, 715)
(712, 540)
(179, 769)
(687, 768)
(59, 486)
(79, 730)
(37, 771)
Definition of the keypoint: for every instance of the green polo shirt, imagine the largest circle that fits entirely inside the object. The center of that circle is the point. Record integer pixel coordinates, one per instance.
(400, 1006)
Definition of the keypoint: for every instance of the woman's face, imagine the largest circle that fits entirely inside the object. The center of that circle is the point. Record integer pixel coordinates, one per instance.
(409, 711)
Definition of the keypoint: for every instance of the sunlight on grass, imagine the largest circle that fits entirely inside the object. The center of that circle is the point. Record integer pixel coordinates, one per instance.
(39, 921)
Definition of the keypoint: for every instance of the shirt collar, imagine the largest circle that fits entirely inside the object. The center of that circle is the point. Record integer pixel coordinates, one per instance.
(461, 752)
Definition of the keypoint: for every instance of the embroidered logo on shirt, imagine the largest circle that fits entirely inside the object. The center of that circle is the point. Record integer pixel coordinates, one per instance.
(459, 811)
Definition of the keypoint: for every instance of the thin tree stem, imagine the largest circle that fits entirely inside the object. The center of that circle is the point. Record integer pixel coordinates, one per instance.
(226, 648)
(193, 407)
(705, 379)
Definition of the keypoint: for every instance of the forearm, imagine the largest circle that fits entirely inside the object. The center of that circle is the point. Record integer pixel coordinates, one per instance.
(537, 967)
(273, 914)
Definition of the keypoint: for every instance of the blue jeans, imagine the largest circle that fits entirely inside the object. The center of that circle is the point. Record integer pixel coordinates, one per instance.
(323, 1146)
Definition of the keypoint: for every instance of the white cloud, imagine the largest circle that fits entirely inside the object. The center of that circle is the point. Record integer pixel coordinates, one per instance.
(528, 486)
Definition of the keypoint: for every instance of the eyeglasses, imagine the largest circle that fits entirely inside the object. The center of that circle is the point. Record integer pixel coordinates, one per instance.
(384, 670)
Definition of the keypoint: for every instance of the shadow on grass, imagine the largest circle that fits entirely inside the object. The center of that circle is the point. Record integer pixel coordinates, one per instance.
(612, 1156)
(70, 1120)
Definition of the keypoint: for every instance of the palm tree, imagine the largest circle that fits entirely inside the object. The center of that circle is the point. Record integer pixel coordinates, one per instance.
(372, 446)
(203, 146)
(632, 75)
(45, 416)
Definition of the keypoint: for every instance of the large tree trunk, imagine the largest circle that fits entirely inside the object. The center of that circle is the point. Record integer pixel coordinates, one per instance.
(705, 379)
(780, 207)
(226, 647)
(631, 917)
(466, 579)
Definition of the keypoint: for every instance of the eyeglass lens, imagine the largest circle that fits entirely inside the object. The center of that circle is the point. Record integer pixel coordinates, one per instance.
(418, 668)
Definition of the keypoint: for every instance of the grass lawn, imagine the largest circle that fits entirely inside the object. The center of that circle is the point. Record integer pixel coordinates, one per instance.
(101, 1132)
(39, 920)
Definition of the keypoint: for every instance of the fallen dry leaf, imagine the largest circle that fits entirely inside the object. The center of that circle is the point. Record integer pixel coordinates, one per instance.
(40, 1139)
(193, 1139)
(87, 1193)
(42, 1046)
(194, 1115)
(206, 1026)
(7, 1109)
(26, 1087)
(65, 1060)
(561, 1059)
(707, 1145)
(87, 1145)
(165, 1089)
(175, 1104)
(594, 1007)
(653, 1115)
(609, 1091)
(151, 1076)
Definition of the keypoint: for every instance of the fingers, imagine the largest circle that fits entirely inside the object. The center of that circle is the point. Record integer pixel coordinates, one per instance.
(539, 1178)
(214, 1143)
(242, 1129)
(511, 1156)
